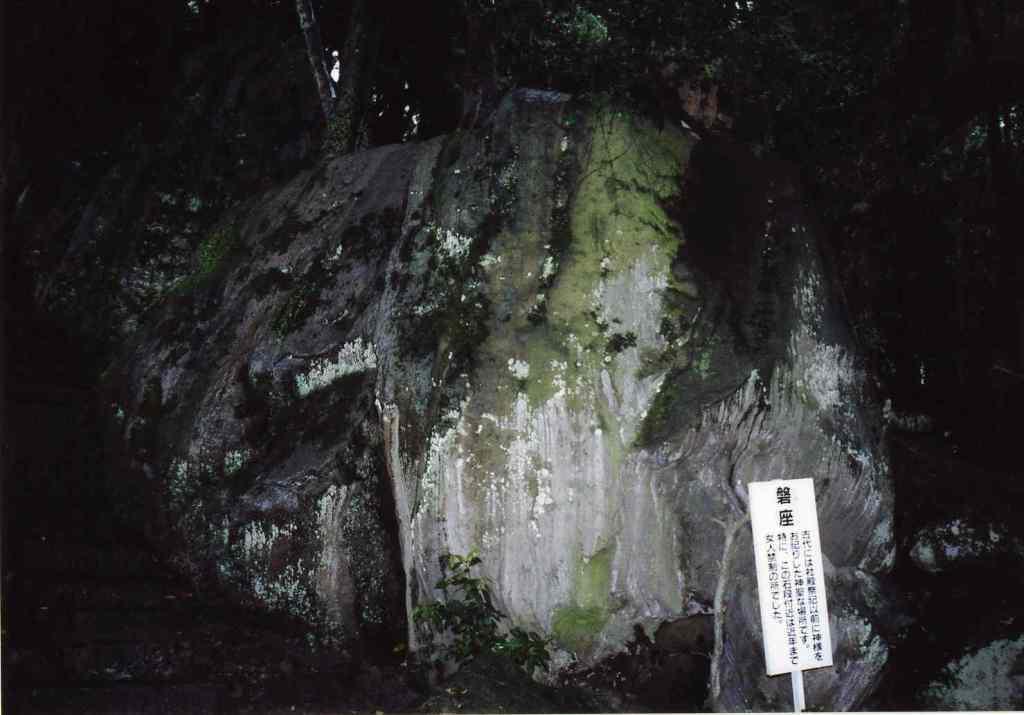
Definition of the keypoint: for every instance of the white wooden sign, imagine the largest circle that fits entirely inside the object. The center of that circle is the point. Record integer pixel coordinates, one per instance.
(790, 579)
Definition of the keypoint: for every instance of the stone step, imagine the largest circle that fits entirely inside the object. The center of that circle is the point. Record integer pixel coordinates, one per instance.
(149, 699)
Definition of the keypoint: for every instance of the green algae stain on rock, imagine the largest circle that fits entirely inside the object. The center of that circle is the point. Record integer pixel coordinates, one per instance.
(293, 312)
(577, 625)
(616, 222)
(594, 578)
(211, 257)
(616, 214)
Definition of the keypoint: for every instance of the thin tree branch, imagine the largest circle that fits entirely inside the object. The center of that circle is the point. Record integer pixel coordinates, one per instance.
(317, 60)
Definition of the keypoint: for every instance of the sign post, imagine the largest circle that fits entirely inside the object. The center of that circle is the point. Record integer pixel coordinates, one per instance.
(790, 579)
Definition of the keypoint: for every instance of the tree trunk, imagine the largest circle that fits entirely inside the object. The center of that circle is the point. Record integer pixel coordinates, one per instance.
(315, 49)
(352, 82)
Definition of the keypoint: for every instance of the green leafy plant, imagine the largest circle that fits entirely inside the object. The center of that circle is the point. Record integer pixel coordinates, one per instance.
(467, 623)
(526, 649)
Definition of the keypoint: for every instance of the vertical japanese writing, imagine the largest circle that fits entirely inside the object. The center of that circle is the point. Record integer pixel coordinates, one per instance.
(799, 589)
(786, 569)
(791, 589)
(773, 578)
(813, 611)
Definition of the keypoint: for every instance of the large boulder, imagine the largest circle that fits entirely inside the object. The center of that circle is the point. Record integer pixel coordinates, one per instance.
(568, 339)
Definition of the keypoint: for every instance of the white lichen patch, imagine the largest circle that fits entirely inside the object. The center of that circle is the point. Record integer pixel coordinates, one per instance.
(327, 506)
(549, 269)
(451, 244)
(332, 568)
(287, 590)
(285, 587)
(488, 260)
(908, 422)
(352, 358)
(235, 460)
(441, 444)
(258, 538)
(809, 296)
(520, 369)
(161, 229)
(956, 542)
(508, 177)
(983, 680)
(544, 498)
(824, 374)
(560, 382)
(422, 309)
(179, 483)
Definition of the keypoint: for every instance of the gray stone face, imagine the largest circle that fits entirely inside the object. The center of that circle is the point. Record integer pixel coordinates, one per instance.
(568, 340)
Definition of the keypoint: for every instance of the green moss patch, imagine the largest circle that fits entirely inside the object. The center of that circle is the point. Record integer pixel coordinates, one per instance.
(576, 628)
(542, 329)
(296, 310)
(211, 258)
(614, 218)
(577, 625)
(594, 579)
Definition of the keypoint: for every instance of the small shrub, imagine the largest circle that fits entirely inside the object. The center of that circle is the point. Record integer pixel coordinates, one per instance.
(467, 623)
(527, 650)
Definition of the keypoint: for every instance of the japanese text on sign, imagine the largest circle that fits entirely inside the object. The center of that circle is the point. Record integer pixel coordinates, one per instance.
(790, 577)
